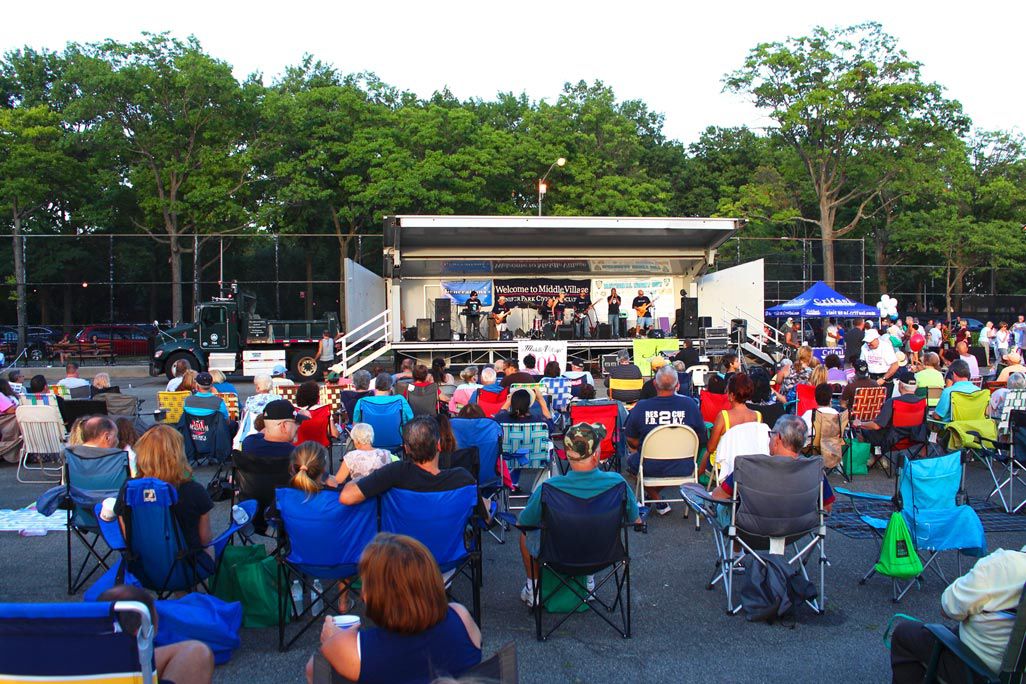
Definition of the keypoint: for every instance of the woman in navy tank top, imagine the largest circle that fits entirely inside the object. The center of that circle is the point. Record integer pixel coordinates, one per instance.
(418, 637)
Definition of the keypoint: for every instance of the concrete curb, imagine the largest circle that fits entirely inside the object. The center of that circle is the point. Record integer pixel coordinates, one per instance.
(55, 373)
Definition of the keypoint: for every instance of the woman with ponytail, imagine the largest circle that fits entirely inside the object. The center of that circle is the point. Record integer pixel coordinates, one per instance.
(309, 463)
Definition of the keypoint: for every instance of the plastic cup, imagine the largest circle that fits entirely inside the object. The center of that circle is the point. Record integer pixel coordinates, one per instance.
(107, 509)
(346, 621)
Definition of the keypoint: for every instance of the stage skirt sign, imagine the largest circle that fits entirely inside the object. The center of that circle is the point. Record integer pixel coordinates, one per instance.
(544, 351)
(532, 292)
(459, 290)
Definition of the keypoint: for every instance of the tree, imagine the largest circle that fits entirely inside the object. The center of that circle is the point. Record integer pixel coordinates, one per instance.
(175, 119)
(842, 100)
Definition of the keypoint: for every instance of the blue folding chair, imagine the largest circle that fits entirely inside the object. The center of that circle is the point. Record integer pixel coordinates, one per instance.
(449, 532)
(528, 449)
(319, 538)
(153, 547)
(89, 479)
(74, 642)
(207, 438)
(486, 435)
(387, 421)
(927, 490)
(559, 393)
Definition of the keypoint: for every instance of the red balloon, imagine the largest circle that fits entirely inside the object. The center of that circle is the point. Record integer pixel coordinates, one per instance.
(916, 342)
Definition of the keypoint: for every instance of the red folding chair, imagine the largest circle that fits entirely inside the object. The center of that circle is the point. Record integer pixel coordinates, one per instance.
(907, 430)
(711, 404)
(490, 402)
(806, 395)
(609, 416)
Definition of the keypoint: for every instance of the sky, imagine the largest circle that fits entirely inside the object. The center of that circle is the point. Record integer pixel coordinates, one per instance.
(671, 55)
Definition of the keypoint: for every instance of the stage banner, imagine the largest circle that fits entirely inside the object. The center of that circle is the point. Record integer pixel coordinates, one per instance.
(459, 290)
(533, 292)
(544, 351)
(645, 349)
(659, 290)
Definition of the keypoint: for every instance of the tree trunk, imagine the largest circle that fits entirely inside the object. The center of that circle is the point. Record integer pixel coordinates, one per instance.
(68, 308)
(197, 273)
(826, 229)
(309, 284)
(19, 279)
(176, 281)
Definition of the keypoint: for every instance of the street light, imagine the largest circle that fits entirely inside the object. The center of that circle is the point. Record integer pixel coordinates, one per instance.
(542, 188)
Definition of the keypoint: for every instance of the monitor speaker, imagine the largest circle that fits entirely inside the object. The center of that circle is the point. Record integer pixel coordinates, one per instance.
(410, 334)
(441, 331)
(423, 329)
(565, 332)
(738, 330)
(705, 321)
(687, 318)
(443, 310)
(604, 331)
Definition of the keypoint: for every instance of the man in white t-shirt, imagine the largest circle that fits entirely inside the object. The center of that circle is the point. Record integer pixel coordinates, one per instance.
(974, 366)
(880, 357)
(1019, 328)
(831, 333)
(935, 337)
(71, 381)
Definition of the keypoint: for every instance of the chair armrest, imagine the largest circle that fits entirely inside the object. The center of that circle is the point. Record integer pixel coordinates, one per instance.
(862, 495)
(689, 491)
(946, 639)
(110, 530)
(221, 540)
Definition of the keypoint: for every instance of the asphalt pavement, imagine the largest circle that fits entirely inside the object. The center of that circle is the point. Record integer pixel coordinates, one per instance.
(681, 632)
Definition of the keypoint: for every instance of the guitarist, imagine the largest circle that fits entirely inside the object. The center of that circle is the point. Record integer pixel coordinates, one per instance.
(499, 313)
(582, 323)
(642, 306)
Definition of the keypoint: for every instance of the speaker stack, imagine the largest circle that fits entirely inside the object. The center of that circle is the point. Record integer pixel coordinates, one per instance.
(441, 329)
(687, 318)
(423, 329)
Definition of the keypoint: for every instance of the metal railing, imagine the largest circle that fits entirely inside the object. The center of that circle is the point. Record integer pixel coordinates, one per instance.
(364, 343)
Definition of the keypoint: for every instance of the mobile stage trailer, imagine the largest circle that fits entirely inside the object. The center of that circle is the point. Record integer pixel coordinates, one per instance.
(527, 258)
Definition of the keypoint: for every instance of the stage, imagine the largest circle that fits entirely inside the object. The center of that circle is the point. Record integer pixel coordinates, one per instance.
(487, 351)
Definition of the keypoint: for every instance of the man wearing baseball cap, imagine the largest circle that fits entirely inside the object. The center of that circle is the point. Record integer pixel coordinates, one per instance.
(880, 358)
(861, 380)
(879, 430)
(281, 420)
(584, 480)
(204, 402)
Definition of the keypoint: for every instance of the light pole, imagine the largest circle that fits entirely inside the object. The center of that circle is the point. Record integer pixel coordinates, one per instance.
(542, 188)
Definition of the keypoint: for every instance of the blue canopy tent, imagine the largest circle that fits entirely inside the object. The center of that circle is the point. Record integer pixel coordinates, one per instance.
(820, 301)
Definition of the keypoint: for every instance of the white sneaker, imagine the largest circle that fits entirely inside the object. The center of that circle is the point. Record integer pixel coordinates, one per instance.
(662, 509)
(527, 595)
(590, 586)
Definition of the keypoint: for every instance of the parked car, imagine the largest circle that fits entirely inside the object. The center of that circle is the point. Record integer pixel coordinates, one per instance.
(37, 342)
(128, 339)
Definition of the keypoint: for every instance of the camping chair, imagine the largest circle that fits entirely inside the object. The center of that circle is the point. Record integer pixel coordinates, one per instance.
(697, 374)
(806, 395)
(423, 400)
(769, 412)
(865, 406)
(907, 432)
(121, 405)
(1013, 665)
(88, 481)
(527, 449)
(82, 392)
(43, 435)
(931, 394)
(925, 494)
(319, 539)
(777, 502)
(711, 404)
(287, 392)
(616, 386)
(316, 428)
(491, 402)
(207, 438)
(668, 443)
(231, 400)
(73, 409)
(740, 440)
(559, 393)
(387, 421)
(584, 537)
(501, 668)
(257, 478)
(1006, 458)
(486, 435)
(450, 533)
(969, 421)
(611, 451)
(74, 642)
(153, 546)
(173, 403)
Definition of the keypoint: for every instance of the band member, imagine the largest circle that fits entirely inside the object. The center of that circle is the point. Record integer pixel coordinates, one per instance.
(473, 312)
(499, 314)
(613, 302)
(643, 308)
(559, 308)
(546, 309)
(582, 323)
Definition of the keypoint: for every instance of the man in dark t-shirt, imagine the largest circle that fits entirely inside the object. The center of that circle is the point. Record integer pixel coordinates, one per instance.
(613, 317)
(281, 421)
(853, 340)
(624, 370)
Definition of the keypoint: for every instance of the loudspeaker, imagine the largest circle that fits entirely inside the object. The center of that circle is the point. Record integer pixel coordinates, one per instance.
(410, 334)
(738, 330)
(565, 332)
(441, 331)
(705, 321)
(604, 332)
(687, 317)
(505, 336)
(656, 334)
(443, 310)
(423, 329)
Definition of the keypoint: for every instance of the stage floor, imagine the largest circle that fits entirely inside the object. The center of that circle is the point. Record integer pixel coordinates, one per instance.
(486, 351)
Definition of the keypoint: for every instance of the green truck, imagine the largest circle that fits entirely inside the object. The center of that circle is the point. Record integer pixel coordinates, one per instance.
(230, 336)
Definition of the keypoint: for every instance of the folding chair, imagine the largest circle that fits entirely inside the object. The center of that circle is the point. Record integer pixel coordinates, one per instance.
(82, 392)
(769, 412)
(925, 494)
(387, 421)
(207, 438)
(865, 406)
(89, 479)
(43, 436)
(969, 421)
(907, 432)
(584, 537)
(257, 478)
(491, 402)
(319, 539)
(777, 502)
(173, 403)
(668, 443)
(559, 393)
(73, 409)
(931, 394)
(1013, 665)
(288, 392)
(423, 400)
(711, 404)
(806, 395)
(1006, 458)
(75, 642)
(485, 435)
(697, 374)
(617, 386)
(119, 405)
(153, 546)
(613, 447)
(527, 449)
(450, 533)
(316, 428)
(231, 400)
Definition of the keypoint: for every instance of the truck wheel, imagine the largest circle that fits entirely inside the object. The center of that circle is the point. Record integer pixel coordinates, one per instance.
(169, 364)
(304, 365)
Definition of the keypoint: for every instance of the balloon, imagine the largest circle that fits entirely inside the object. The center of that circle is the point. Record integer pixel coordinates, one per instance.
(917, 342)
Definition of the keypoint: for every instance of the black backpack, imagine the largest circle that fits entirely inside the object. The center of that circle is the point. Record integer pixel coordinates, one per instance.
(773, 589)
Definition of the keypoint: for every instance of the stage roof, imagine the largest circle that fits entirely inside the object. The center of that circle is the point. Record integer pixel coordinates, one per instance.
(555, 237)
